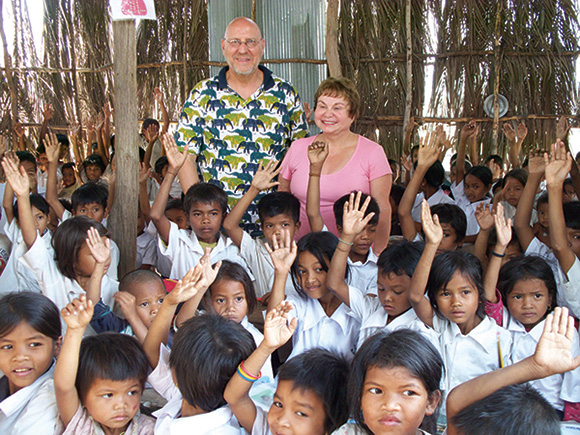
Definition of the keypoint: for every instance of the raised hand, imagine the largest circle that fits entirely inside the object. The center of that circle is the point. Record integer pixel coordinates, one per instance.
(536, 163)
(411, 125)
(151, 133)
(18, 129)
(307, 111)
(208, 273)
(522, 131)
(428, 151)
(99, 121)
(431, 227)
(317, 154)
(406, 162)
(484, 217)
(187, 287)
(277, 331)
(126, 302)
(264, 175)
(2, 145)
(144, 173)
(175, 157)
(553, 354)
(90, 126)
(503, 228)
(74, 130)
(282, 253)
(47, 112)
(509, 131)
(469, 130)
(558, 165)
(158, 95)
(78, 313)
(562, 128)
(100, 250)
(16, 175)
(107, 111)
(52, 147)
(353, 215)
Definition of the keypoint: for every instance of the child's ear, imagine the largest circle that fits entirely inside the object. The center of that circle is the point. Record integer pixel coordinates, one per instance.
(297, 226)
(106, 212)
(57, 346)
(173, 378)
(432, 402)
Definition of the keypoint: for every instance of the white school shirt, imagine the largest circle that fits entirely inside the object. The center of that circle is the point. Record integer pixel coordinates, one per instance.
(221, 421)
(55, 286)
(162, 263)
(16, 276)
(31, 410)
(363, 276)
(568, 284)
(468, 207)
(184, 251)
(438, 197)
(373, 318)
(337, 333)
(468, 356)
(556, 388)
(146, 248)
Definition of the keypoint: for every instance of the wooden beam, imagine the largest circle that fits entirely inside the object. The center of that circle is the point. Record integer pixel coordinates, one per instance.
(409, 87)
(331, 47)
(123, 218)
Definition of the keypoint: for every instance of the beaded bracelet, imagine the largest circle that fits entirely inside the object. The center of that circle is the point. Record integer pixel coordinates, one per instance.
(346, 243)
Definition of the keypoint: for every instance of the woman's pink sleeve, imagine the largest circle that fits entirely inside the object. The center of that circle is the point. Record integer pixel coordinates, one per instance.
(378, 164)
(288, 164)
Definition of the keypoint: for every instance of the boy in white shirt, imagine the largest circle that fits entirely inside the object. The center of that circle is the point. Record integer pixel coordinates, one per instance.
(206, 351)
(277, 211)
(206, 207)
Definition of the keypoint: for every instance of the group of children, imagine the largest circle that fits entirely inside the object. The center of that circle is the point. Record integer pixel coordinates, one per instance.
(448, 320)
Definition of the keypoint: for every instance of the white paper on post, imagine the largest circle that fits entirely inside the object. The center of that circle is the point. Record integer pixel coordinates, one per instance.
(132, 9)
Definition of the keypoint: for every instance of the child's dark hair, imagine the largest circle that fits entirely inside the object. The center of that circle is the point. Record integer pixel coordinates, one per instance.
(400, 348)
(62, 139)
(435, 175)
(37, 201)
(206, 351)
(277, 203)
(69, 165)
(205, 193)
(543, 199)
(338, 208)
(68, 239)
(112, 356)
(160, 163)
(325, 374)
(495, 158)
(26, 156)
(492, 241)
(32, 308)
(572, 214)
(90, 193)
(231, 271)
(567, 182)
(453, 215)
(523, 268)
(322, 245)
(400, 258)
(397, 192)
(147, 122)
(174, 204)
(496, 186)
(445, 265)
(483, 173)
(94, 160)
(512, 410)
(518, 174)
(138, 277)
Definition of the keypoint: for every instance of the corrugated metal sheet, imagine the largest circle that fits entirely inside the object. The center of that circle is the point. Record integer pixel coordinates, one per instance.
(293, 29)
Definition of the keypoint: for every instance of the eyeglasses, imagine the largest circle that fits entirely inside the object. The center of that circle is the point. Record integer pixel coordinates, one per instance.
(237, 43)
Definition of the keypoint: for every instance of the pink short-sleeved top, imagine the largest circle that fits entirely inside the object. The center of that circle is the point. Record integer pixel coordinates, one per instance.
(367, 163)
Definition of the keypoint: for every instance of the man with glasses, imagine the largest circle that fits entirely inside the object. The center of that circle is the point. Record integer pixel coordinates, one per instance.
(240, 117)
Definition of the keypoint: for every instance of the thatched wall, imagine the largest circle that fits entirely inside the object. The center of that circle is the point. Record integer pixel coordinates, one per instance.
(531, 45)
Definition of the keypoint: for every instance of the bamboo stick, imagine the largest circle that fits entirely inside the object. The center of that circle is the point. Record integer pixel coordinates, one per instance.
(497, 60)
(8, 70)
(409, 88)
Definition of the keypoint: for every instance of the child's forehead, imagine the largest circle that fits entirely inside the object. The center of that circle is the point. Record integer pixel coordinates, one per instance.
(146, 288)
(202, 205)
(89, 205)
(277, 218)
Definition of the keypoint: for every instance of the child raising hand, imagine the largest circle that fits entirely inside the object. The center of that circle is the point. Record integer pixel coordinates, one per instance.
(98, 380)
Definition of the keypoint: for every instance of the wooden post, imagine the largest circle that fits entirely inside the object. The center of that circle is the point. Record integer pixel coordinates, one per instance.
(123, 218)
(497, 69)
(331, 49)
(8, 72)
(409, 90)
